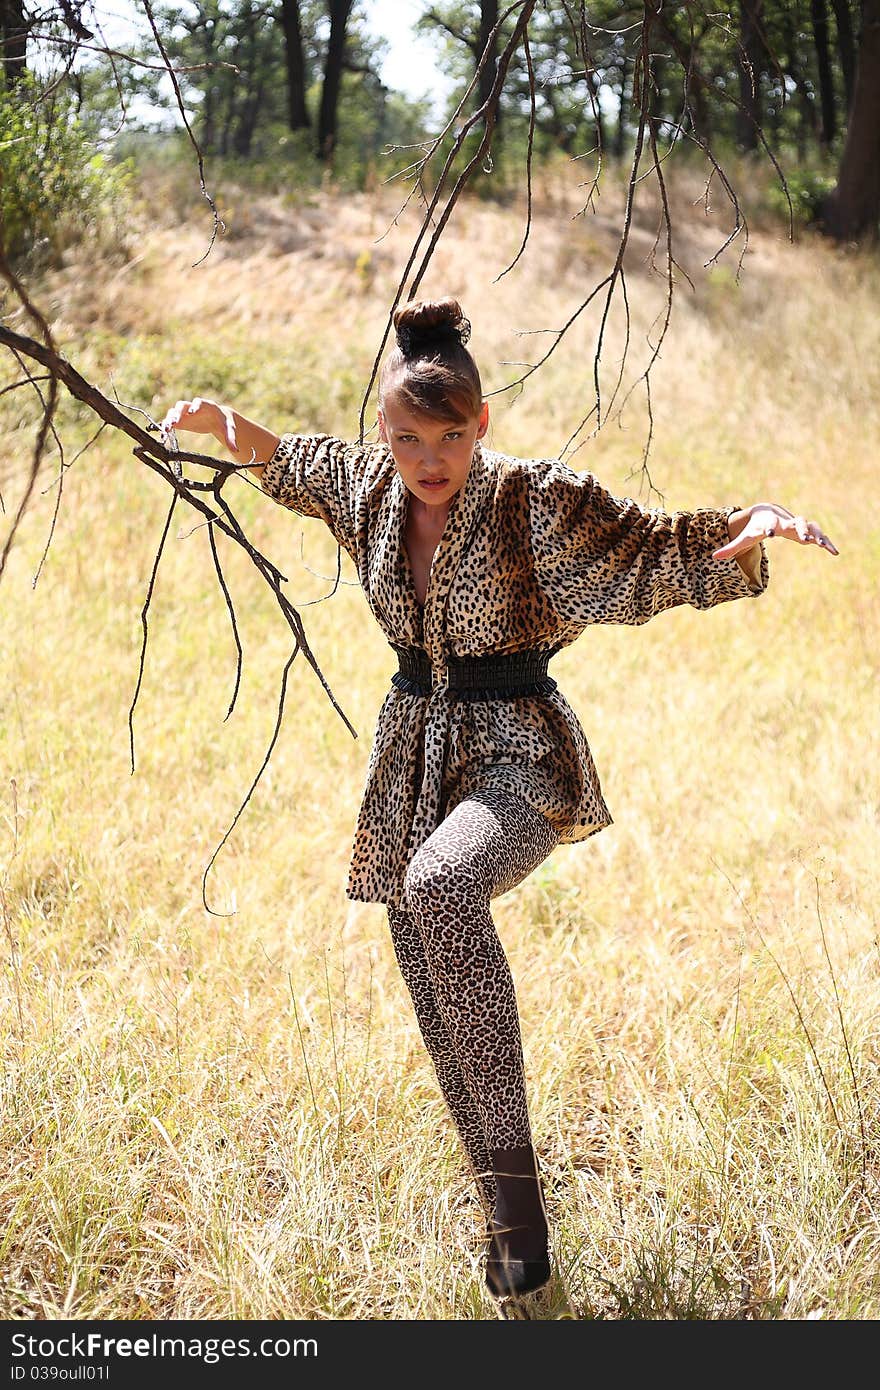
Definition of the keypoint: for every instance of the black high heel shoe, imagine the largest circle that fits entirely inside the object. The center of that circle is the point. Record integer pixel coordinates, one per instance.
(517, 1257)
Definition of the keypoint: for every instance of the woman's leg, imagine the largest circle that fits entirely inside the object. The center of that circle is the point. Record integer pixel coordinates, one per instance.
(484, 847)
(413, 964)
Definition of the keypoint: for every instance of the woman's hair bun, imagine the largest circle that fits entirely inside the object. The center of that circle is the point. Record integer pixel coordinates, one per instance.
(428, 324)
(431, 371)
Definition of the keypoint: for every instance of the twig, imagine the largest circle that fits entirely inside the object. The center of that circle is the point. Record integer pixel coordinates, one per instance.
(151, 452)
(531, 140)
(64, 468)
(28, 381)
(150, 587)
(218, 223)
(15, 341)
(486, 113)
(212, 539)
(132, 59)
(263, 766)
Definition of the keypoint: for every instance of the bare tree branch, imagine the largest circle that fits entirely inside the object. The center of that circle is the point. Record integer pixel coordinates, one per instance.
(265, 763)
(212, 540)
(160, 460)
(63, 468)
(48, 346)
(151, 585)
(135, 62)
(487, 113)
(529, 149)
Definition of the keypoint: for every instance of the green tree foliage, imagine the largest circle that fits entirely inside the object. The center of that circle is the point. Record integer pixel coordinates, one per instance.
(54, 183)
(790, 80)
(783, 80)
(235, 87)
(583, 66)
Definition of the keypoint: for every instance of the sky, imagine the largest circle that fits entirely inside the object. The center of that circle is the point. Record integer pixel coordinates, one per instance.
(410, 66)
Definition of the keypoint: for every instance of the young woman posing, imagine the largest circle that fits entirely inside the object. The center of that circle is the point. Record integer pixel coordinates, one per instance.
(478, 568)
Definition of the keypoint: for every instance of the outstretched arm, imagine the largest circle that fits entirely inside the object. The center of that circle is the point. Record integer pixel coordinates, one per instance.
(313, 474)
(763, 520)
(248, 443)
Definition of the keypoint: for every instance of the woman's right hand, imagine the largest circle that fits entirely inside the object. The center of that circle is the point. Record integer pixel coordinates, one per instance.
(200, 416)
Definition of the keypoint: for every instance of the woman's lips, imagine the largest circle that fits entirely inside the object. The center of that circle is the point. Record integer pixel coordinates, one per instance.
(433, 483)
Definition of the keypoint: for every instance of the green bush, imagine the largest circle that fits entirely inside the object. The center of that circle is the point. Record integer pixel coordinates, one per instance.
(55, 186)
(807, 189)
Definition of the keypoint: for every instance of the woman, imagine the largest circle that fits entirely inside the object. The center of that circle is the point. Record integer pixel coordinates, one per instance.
(478, 568)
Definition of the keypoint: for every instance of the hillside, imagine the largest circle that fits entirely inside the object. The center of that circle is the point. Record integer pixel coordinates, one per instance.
(778, 335)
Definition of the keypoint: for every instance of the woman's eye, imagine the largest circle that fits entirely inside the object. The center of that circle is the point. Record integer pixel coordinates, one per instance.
(454, 434)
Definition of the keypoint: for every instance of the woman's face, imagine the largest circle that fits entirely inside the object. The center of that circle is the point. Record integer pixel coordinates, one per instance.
(433, 456)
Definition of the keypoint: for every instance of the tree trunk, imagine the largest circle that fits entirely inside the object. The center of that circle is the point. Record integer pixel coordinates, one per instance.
(846, 48)
(247, 120)
(655, 97)
(749, 114)
(698, 113)
(209, 122)
(819, 15)
(596, 111)
(242, 85)
(297, 112)
(248, 105)
(697, 106)
(807, 126)
(563, 138)
(13, 41)
(328, 116)
(230, 116)
(208, 132)
(488, 20)
(852, 211)
(620, 132)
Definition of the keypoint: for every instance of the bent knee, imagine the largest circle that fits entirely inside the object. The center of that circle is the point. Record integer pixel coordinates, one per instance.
(434, 888)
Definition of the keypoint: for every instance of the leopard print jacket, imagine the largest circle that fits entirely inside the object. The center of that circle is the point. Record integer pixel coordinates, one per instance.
(532, 553)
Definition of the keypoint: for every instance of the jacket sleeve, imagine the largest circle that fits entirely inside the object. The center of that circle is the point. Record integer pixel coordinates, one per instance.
(317, 475)
(606, 559)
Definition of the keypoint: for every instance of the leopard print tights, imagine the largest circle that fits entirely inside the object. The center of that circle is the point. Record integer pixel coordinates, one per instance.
(457, 973)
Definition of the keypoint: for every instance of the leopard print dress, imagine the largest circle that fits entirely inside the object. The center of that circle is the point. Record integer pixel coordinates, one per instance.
(533, 552)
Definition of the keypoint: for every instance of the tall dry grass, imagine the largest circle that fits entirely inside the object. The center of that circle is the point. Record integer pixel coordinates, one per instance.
(230, 1114)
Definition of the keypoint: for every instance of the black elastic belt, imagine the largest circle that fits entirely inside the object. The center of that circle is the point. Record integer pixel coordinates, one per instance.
(475, 677)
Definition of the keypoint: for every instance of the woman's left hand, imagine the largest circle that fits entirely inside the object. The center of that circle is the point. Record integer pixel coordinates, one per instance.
(764, 520)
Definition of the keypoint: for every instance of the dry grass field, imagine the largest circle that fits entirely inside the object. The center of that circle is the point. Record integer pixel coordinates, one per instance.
(229, 1114)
